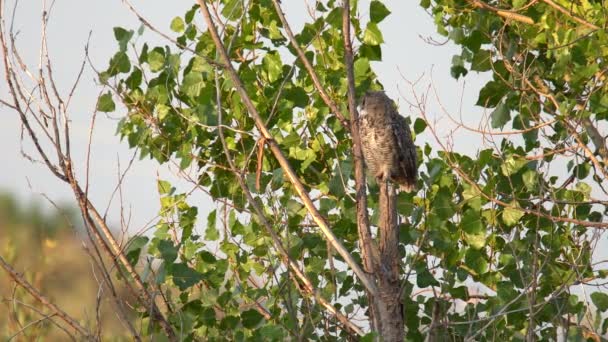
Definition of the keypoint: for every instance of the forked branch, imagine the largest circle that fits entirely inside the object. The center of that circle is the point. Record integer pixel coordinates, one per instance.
(276, 150)
(63, 166)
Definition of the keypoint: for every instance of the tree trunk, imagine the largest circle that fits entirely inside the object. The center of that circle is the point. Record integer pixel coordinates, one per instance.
(390, 309)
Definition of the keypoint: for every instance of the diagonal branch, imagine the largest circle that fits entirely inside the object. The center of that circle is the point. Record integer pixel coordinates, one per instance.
(93, 220)
(370, 255)
(276, 150)
(503, 13)
(308, 287)
(570, 15)
(42, 299)
(369, 251)
(598, 140)
(311, 71)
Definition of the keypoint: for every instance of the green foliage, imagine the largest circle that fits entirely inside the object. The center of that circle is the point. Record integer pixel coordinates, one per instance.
(544, 59)
(105, 103)
(499, 223)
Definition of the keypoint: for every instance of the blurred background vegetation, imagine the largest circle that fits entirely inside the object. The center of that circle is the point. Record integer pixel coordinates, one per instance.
(46, 247)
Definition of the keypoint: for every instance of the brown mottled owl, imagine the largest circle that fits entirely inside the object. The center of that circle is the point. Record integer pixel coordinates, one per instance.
(386, 141)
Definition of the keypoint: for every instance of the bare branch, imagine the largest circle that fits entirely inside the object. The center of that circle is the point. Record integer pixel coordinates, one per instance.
(503, 13)
(570, 15)
(42, 299)
(369, 251)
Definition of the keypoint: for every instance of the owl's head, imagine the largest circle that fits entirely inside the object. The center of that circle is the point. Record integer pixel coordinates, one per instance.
(375, 103)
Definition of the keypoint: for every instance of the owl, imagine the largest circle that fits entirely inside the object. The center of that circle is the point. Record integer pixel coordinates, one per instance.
(386, 140)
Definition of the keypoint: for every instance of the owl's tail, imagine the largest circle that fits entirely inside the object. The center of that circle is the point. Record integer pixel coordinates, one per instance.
(408, 186)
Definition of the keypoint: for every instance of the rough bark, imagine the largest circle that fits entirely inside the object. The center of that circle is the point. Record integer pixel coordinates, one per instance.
(369, 250)
(390, 309)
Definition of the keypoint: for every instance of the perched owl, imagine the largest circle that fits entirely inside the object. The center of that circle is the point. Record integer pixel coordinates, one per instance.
(386, 141)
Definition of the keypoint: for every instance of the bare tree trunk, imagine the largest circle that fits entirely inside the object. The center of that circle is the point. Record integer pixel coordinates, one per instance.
(390, 309)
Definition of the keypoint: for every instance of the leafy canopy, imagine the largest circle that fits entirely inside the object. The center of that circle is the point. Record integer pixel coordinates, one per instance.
(490, 245)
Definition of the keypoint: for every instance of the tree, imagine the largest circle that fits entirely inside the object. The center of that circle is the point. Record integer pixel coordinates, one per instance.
(489, 248)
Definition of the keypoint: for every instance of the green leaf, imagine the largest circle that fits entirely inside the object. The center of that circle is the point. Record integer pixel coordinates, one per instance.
(443, 205)
(600, 300)
(458, 68)
(491, 94)
(207, 316)
(472, 225)
(372, 35)
(361, 68)
(135, 247)
(511, 215)
(424, 278)
(134, 80)
(273, 66)
(105, 103)
(119, 63)
(472, 197)
(419, 126)
(482, 61)
(165, 188)
(512, 165)
(473, 41)
(156, 60)
(233, 9)
(272, 333)
(274, 31)
(476, 261)
(530, 179)
(371, 52)
(334, 18)
(298, 96)
(178, 25)
(457, 35)
(377, 11)
(123, 37)
(168, 251)
(211, 233)
(251, 318)
(500, 116)
(193, 84)
(582, 170)
(229, 322)
(184, 276)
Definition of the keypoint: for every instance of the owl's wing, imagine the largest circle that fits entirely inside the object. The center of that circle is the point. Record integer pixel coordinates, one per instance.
(406, 150)
(365, 134)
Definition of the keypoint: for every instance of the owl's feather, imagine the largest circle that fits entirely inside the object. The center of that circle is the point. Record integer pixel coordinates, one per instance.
(386, 140)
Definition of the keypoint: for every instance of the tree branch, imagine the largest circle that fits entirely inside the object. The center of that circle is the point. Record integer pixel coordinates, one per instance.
(65, 172)
(503, 13)
(308, 287)
(274, 147)
(369, 251)
(42, 299)
(570, 15)
(311, 71)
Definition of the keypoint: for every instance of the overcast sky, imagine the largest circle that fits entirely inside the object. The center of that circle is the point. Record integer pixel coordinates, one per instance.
(405, 53)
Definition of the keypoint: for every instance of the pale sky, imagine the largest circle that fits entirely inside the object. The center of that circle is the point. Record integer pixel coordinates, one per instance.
(405, 53)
